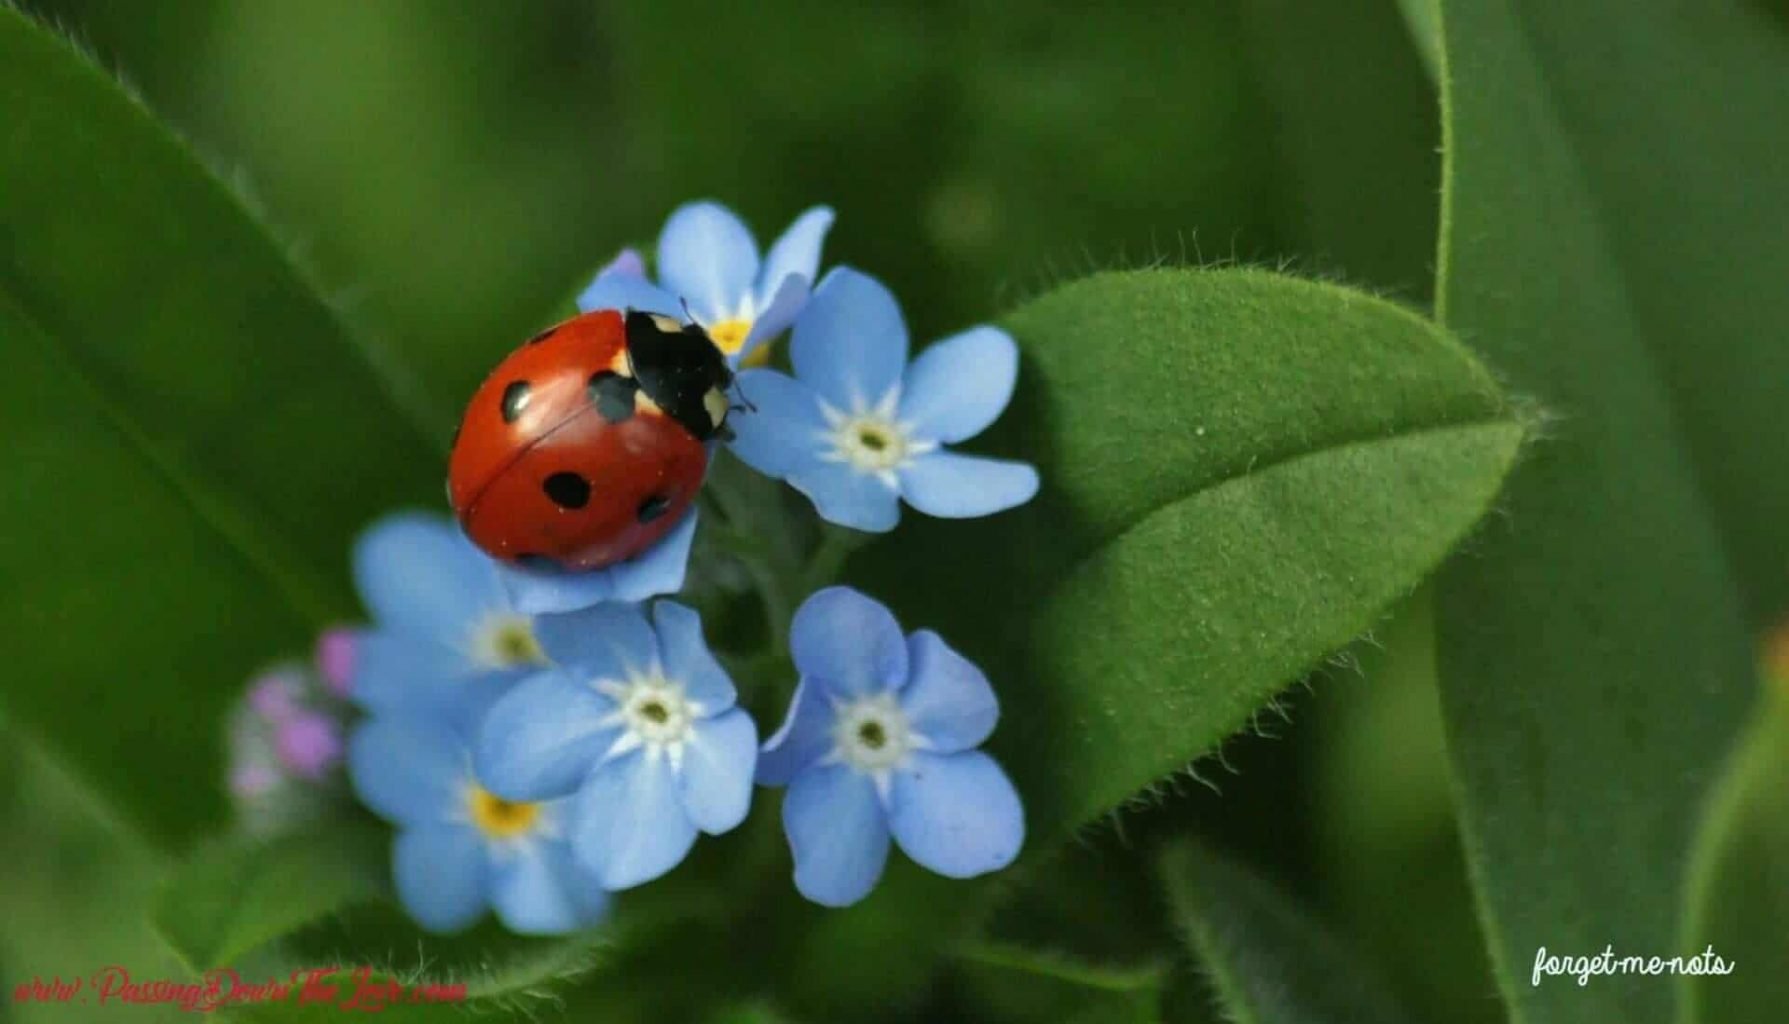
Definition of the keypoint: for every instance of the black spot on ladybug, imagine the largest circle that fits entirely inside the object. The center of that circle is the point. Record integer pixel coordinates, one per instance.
(568, 490)
(515, 400)
(613, 395)
(652, 508)
(542, 336)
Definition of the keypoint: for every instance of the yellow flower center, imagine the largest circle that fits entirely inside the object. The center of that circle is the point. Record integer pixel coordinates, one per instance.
(507, 641)
(497, 817)
(730, 335)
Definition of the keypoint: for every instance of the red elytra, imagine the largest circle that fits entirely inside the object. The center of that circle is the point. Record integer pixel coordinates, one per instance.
(561, 457)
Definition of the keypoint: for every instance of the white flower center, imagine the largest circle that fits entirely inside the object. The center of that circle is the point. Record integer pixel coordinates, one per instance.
(653, 713)
(870, 439)
(871, 734)
(506, 640)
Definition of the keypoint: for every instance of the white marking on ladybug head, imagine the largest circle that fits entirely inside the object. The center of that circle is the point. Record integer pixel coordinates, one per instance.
(716, 404)
(666, 324)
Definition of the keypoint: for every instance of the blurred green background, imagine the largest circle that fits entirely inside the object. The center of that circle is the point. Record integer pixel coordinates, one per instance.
(451, 171)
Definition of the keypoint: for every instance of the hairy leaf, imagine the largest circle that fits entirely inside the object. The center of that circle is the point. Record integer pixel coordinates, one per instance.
(237, 894)
(1268, 960)
(1015, 983)
(1241, 471)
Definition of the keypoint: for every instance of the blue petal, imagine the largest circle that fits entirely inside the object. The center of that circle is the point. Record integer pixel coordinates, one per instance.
(410, 771)
(418, 574)
(660, 568)
(850, 343)
(849, 497)
(687, 659)
(960, 385)
(952, 486)
(775, 316)
(947, 698)
(605, 641)
(837, 832)
(805, 737)
(796, 252)
(657, 570)
(398, 675)
(790, 270)
(441, 876)
(538, 890)
(627, 291)
(956, 814)
(627, 261)
(630, 825)
(542, 739)
(394, 671)
(848, 643)
(715, 782)
(782, 432)
(707, 256)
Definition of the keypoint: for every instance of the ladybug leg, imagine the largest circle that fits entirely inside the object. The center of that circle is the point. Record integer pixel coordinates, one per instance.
(744, 404)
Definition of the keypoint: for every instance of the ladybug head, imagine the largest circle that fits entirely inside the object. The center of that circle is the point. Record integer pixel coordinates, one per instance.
(682, 370)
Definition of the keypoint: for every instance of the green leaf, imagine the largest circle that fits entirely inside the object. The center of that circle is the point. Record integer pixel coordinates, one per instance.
(237, 894)
(512, 986)
(76, 883)
(624, 957)
(1241, 471)
(1012, 982)
(1268, 960)
(194, 439)
(1739, 881)
(1695, 93)
(1141, 675)
(1593, 655)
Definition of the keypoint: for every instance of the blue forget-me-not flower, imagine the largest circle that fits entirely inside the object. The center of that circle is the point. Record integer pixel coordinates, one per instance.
(460, 849)
(708, 258)
(639, 721)
(858, 429)
(444, 629)
(881, 741)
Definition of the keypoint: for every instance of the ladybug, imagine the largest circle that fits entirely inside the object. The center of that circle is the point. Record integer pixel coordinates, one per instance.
(587, 444)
